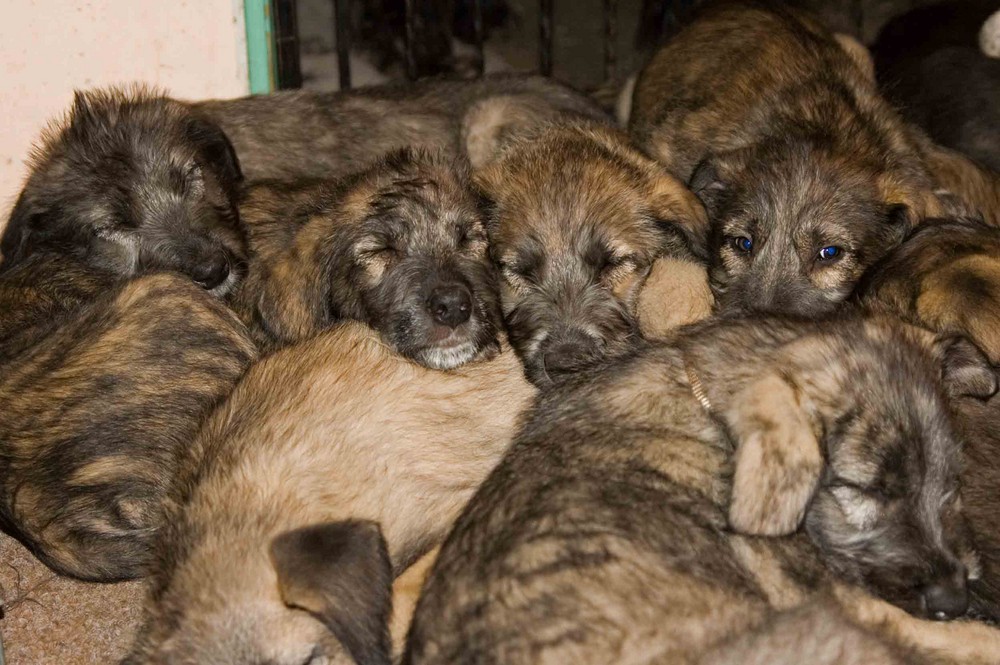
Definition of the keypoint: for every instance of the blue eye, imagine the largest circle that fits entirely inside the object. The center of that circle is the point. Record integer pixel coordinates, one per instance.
(828, 253)
(743, 244)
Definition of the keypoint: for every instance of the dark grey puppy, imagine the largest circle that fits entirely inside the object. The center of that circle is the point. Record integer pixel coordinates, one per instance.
(102, 381)
(611, 530)
(400, 246)
(295, 135)
(930, 66)
(132, 182)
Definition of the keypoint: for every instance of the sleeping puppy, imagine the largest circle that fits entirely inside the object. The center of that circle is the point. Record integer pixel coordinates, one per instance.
(612, 530)
(333, 466)
(102, 382)
(577, 219)
(300, 134)
(132, 182)
(400, 246)
(776, 124)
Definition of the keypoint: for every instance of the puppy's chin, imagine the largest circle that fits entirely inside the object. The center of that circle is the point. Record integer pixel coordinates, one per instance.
(449, 357)
(474, 341)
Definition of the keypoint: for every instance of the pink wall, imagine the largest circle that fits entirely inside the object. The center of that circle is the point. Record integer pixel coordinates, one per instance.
(191, 48)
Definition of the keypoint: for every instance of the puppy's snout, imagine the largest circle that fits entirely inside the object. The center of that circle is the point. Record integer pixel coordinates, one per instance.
(946, 600)
(569, 352)
(212, 272)
(450, 305)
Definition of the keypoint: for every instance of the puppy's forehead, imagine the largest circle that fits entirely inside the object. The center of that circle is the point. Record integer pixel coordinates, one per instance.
(809, 192)
(564, 202)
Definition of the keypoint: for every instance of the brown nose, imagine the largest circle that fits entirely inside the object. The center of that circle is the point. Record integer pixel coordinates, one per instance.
(450, 305)
(946, 600)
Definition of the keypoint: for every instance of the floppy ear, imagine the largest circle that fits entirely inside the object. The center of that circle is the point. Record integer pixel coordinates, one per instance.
(680, 217)
(489, 124)
(292, 304)
(675, 293)
(217, 153)
(778, 461)
(898, 220)
(340, 572)
(858, 53)
(19, 228)
(709, 183)
(965, 370)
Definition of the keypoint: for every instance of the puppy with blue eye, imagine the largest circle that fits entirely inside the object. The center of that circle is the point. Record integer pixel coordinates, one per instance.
(808, 175)
(400, 246)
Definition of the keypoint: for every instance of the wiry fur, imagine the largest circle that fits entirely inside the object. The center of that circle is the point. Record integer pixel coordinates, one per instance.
(102, 384)
(378, 247)
(611, 531)
(302, 134)
(336, 428)
(578, 218)
(945, 276)
(781, 132)
(132, 182)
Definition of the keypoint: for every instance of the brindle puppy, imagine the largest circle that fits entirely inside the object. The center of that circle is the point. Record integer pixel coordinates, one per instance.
(808, 175)
(400, 246)
(300, 135)
(609, 532)
(257, 564)
(101, 381)
(578, 219)
(945, 276)
(132, 182)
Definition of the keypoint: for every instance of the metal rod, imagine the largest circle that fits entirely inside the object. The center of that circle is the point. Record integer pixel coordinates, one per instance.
(342, 26)
(545, 11)
(411, 60)
(610, 38)
(477, 35)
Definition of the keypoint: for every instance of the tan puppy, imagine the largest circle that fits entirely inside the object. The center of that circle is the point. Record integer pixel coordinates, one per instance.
(578, 219)
(336, 428)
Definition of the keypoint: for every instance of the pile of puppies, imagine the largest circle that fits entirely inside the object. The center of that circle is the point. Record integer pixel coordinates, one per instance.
(270, 352)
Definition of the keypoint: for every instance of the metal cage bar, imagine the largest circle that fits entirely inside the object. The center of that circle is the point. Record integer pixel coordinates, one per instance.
(342, 26)
(286, 44)
(610, 39)
(545, 11)
(411, 32)
(477, 35)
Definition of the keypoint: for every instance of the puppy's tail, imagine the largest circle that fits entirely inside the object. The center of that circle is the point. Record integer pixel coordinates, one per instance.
(341, 573)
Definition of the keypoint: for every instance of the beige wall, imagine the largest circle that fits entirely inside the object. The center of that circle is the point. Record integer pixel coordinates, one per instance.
(191, 48)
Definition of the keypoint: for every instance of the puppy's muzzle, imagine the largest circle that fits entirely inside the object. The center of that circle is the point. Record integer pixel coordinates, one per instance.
(946, 599)
(450, 305)
(569, 351)
(212, 271)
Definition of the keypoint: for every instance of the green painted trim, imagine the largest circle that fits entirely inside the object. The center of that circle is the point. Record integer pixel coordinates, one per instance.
(260, 46)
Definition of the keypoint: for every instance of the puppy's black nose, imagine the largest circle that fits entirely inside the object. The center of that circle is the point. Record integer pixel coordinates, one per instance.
(450, 305)
(212, 272)
(569, 352)
(946, 600)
